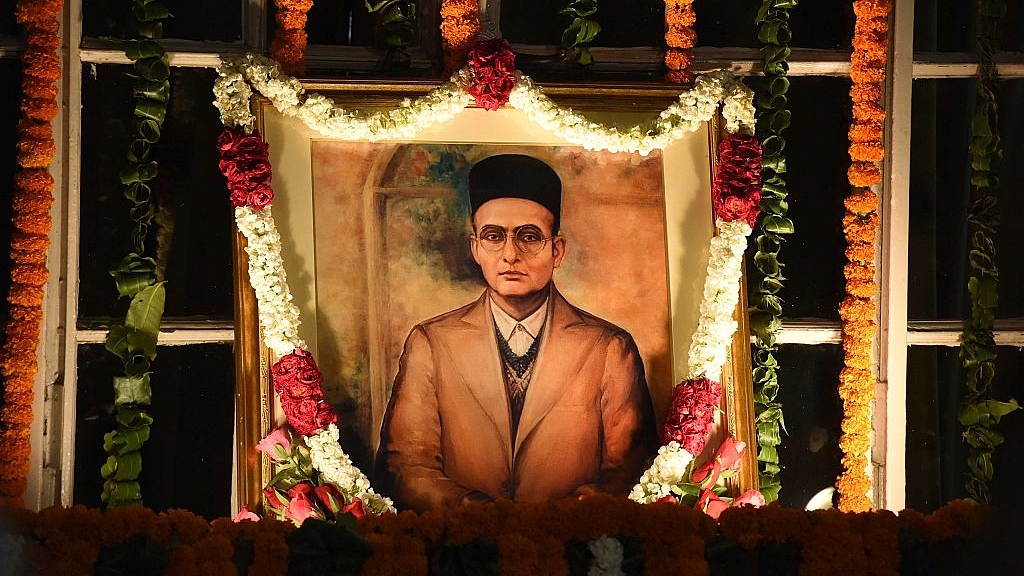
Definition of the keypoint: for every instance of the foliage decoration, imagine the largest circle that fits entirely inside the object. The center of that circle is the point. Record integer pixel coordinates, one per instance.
(395, 28)
(860, 225)
(979, 413)
(31, 199)
(680, 38)
(582, 28)
(134, 341)
(766, 308)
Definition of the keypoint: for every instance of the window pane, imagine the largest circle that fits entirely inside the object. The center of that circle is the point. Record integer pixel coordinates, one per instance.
(940, 196)
(187, 461)
(623, 22)
(210, 20)
(810, 455)
(338, 22)
(8, 24)
(817, 24)
(816, 157)
(10, 100)
(936, 454)
(191, 235)
(948, 26)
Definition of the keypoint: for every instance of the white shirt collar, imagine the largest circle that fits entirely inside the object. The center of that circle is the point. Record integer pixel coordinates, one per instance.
(506, 324)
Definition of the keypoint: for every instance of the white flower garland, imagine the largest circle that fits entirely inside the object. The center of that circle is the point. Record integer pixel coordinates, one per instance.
(670, 468)
(336, 467)
(710, 346)
(279, 317)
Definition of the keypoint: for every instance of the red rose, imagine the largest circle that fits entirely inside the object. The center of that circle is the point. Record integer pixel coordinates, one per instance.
(694, 403)
(711, 504)
(260, 197)
(736, 191)
(305, 488)
(246, 165)
(355, 508)
(301, 414)
(492, 63)
(274, 499)
(293, 390)
(325, 416)
(228, 139)
(239, 197)
(329, 497)
(749, 498)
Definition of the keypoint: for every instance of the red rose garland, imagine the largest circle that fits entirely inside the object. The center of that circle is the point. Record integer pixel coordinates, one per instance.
(245, 162)
(493, 65)
(694, 402)
(298, 381)
(736, 191)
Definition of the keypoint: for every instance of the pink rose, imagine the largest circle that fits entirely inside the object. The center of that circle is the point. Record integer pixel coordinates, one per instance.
(277, 445)
(302, 507)
(711, 504)
(245, 514)
(305, 488)
(668, 499)
(729, 452)
(329, 497)
(355, 508)
(708, 473)
(750, 498)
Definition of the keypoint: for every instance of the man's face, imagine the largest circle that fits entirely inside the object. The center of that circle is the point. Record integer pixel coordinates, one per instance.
(510, 271)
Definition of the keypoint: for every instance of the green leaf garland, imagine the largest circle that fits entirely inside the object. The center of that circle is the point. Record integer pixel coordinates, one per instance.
(582, 28)
(395, 28)
(979, 413)
(766, 305)
(135, 276)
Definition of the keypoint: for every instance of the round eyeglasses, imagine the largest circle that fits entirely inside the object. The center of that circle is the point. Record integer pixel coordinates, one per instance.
(528, 239)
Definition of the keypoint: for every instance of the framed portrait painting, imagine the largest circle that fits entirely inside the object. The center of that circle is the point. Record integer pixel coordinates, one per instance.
(383, 245)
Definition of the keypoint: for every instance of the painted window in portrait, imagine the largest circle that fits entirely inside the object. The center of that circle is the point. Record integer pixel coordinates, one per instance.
(396, 259)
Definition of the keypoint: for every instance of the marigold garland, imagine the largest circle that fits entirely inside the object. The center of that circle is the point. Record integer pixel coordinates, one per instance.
(680, 38)
(460, 24)
(289, 44)
(31, 201)
(860, 224)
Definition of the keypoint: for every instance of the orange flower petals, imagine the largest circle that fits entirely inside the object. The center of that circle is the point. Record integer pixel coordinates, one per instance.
(868, 112)
(681, 37)
(288, 46)
(460, 25)
(860, 252)
(678, 59)
(870, 9)
(682, 14)
(679, 34)
(291, 20)
(865, 132)
(866, 92)
(39, 109)
(867, 151)
(34, 153)
(862, 202)
(679, 76)
(864, 174)
(459, 8)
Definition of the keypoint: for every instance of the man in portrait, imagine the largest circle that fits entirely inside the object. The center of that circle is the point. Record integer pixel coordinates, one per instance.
(519, 394)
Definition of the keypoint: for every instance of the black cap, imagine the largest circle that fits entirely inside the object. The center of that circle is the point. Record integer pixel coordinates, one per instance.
(515, 176)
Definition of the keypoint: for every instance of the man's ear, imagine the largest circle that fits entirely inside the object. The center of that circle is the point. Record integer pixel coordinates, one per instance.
(558, 249)
(474, 247)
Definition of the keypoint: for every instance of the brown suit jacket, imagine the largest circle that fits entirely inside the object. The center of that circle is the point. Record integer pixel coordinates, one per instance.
(587, 423)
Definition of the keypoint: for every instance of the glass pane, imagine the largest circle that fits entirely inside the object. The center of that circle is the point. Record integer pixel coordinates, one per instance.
(948, 26)
(936, 454)
(623, 22)
(210, 20)
(187, 462)
(8, 24)
(810, 455)
(10, 75)
(337, 22)
(940, 194)
(818, 24)
(191, 237)
(816, 157)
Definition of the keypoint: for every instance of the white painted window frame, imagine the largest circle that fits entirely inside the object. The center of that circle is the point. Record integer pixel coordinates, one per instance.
(51, 480)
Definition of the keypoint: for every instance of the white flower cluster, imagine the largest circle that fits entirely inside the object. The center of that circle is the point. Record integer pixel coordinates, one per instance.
(608, 555)
(710, 345)
(693, 108)
(233, 95)
(279, 317)
(670, 467)
(336, 467)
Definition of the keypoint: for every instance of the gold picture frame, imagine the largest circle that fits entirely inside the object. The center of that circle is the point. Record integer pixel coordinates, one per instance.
(687, 171)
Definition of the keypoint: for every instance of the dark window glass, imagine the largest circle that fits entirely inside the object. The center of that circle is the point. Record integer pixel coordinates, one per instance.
(338, 22)
(210, 20)
(187, 462)
(940, 195)
(8, 24)
(936, 453)
(623, 22)
(819, 24)
(191, 237)
(816, 158)
(10, 75)
(948, 26)
(810, 455)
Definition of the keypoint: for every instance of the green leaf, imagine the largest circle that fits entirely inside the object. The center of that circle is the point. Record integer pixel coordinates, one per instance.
(156, 69)
(120, 442)
(777, 224)
(117, 341)
(139, 49)
(122, 493)
(132, 417)
(152, 90)
(999, 409)
(132, 390)
(122, 467)
(149, 130)
(143, 319)
(151, 109)
(133, 274)
(150, 11)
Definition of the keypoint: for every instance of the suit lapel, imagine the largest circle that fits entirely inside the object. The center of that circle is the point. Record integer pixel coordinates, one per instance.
(557, 360)
(474, 351)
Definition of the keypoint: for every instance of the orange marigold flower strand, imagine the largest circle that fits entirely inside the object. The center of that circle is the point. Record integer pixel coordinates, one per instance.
(680, 38)
(460, 25)
(289, 44)
(860, 225)
(31, 201)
